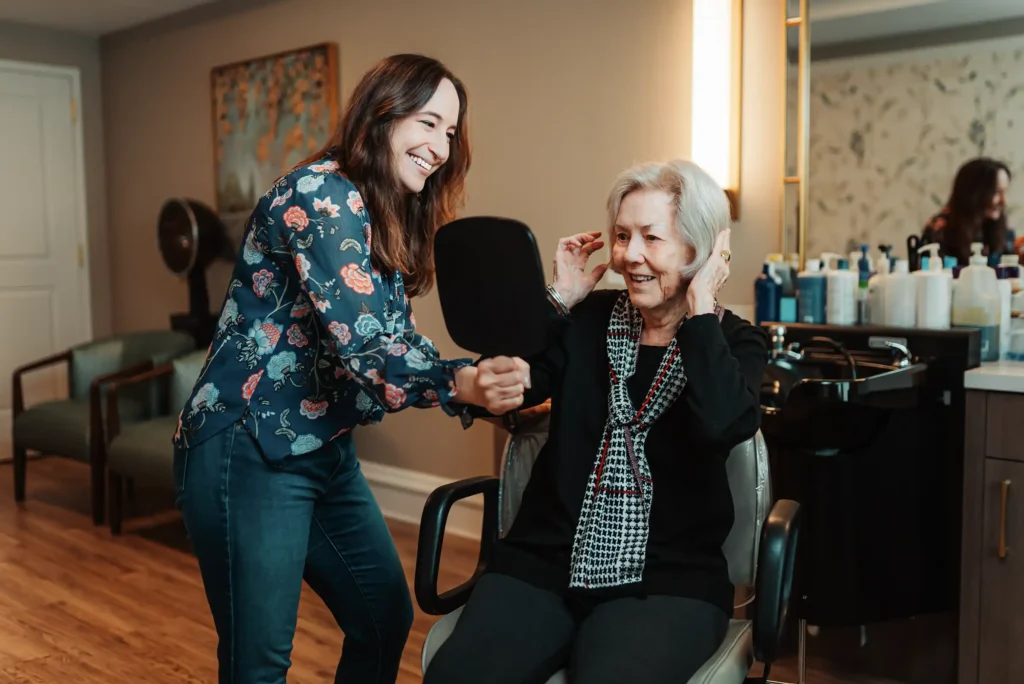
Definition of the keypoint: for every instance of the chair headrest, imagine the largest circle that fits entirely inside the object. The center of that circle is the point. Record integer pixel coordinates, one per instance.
(491, 285)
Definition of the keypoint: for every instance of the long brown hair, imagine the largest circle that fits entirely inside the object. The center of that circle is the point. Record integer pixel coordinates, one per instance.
(975, 184)
(403, 224)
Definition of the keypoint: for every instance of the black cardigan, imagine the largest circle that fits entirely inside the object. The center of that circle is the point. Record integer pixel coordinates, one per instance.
(692, 508)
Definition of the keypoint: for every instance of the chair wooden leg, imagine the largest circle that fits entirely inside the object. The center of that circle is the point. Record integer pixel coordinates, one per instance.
(116, 487)
(20, 466)
(98, 493)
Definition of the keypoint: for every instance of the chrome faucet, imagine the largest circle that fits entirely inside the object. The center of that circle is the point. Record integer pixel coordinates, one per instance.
(903, 355)
(779, 347)
(778, 337)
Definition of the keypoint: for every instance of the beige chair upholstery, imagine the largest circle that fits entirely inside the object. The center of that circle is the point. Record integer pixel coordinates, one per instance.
(749, 481)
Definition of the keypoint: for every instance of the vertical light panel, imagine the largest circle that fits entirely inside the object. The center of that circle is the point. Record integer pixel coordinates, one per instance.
(716, 84)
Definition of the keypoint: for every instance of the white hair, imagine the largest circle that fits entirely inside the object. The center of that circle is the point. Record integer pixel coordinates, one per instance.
(701, 206)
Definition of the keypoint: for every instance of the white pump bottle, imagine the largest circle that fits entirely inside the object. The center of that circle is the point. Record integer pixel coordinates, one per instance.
(900, 294)
(976, 302)
(876, 294)
(934, 291)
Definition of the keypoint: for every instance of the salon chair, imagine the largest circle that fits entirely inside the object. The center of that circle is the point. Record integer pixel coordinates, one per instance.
(499, 306)
(760, 551)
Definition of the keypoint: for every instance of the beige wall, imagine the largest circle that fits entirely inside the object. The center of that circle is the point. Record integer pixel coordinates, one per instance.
(40, 46)
(563, 95)
(759, 228)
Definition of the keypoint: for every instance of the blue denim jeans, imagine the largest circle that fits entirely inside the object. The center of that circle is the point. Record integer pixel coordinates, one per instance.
(259, 529)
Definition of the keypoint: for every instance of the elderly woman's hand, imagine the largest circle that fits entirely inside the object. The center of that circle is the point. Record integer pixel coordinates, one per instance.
(572, 282)
(497, 384)
(702, 294)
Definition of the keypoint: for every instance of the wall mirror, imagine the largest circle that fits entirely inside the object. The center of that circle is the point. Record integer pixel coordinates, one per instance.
(884, 102)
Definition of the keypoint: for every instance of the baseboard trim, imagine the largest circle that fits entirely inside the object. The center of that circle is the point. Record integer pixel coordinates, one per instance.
(401, 494)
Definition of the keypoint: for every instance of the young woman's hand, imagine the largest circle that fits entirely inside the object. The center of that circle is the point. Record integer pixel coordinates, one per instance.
(497, 384)
(572, 282)
(702, 294)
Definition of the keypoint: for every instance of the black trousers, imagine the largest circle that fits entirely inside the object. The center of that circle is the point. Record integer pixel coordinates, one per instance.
(511, 632)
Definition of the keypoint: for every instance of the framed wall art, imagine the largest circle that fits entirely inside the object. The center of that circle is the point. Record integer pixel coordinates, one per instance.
(269, 113)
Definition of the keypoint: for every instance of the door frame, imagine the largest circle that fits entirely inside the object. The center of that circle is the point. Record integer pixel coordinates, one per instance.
(73, 75)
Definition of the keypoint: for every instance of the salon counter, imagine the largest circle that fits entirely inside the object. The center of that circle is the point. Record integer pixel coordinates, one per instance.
(998, 376)
(992, 554)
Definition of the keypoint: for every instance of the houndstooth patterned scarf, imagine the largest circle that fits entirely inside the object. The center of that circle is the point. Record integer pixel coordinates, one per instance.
(610, 544)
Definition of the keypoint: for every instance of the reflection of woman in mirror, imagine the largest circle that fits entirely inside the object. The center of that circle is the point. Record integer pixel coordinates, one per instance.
(974, 212)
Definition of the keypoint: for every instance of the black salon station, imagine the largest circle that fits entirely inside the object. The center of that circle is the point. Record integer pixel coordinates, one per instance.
(899, 444)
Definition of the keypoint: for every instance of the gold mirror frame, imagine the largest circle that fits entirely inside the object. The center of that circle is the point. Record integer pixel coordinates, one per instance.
(796, 40)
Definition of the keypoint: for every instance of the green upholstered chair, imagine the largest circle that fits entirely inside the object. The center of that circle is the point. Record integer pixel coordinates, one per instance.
(73, 427)
(142, 451)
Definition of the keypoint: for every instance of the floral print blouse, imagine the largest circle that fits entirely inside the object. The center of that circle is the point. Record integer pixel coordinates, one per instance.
(312, 339)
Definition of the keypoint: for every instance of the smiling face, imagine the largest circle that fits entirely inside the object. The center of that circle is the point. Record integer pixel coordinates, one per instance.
(420, 142)
(648, 251)
(998, 202)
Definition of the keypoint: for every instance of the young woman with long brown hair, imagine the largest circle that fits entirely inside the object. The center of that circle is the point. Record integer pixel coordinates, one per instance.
(974, 212)
(317, 336)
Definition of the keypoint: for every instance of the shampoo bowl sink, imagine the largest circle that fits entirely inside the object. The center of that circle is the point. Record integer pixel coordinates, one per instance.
(821, 402)
(871, 383)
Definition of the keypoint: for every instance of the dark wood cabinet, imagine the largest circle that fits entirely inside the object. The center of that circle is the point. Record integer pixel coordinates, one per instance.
(992, 581)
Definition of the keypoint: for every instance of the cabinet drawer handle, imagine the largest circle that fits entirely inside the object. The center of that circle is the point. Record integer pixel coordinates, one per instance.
(1005, 491)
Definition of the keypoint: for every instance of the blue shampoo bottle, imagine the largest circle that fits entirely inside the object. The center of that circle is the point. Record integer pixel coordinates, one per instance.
(811, 293)
(767, 295)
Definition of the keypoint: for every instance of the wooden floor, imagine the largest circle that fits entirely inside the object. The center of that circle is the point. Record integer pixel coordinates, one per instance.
(78, 605)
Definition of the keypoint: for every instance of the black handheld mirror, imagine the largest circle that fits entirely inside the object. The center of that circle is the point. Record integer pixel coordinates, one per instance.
(491, 285)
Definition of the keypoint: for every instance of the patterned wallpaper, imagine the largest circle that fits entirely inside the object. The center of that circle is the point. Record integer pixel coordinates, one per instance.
(888, 133)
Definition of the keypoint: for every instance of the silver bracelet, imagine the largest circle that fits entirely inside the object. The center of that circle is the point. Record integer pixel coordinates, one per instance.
(558, 301)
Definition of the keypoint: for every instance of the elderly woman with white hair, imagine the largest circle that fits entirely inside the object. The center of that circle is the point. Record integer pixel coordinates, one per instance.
(614, 567)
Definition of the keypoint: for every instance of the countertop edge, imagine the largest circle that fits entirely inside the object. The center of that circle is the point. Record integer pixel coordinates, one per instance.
(997, 376)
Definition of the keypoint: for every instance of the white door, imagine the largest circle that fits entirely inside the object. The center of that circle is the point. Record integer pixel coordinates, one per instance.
(44, 288)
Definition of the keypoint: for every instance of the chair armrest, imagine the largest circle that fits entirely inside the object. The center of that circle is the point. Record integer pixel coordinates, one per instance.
(526, 418)
(113, 414)
(46, 361)
(428, 551)
(775, 562)
(17, 392)
(96, 438)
